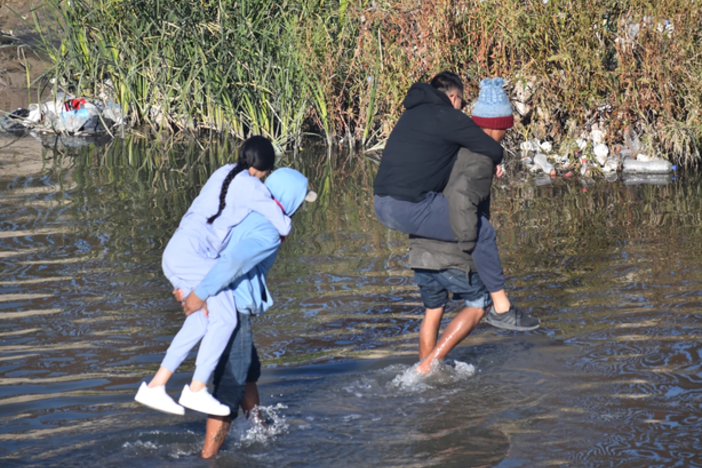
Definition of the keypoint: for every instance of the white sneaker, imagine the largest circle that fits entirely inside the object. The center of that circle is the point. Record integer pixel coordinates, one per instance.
(203, 402)
(158, 399)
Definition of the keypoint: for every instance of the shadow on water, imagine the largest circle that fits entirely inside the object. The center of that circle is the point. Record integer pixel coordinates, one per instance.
(611, 379)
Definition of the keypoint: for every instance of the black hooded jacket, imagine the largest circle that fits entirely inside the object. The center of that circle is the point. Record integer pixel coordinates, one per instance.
(422, 147)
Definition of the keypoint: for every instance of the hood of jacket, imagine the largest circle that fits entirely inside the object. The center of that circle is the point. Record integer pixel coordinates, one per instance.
(424, 93)
(289, 187)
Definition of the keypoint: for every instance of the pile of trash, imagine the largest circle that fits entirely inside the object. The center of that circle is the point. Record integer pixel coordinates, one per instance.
(65, 115)
(594, 157)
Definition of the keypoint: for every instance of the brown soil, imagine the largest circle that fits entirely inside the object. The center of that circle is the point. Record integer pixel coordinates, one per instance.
(9, 22)
(16, 56)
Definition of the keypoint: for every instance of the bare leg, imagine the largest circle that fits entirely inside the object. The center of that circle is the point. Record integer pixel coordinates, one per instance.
(500, 301)
(218, 426)
(215, 431)
(196, 385)
(455, 332)
(429, 331)
(251, 398)
(161, 377)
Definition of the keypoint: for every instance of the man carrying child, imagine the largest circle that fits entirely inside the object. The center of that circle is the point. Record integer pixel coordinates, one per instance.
(415, 169)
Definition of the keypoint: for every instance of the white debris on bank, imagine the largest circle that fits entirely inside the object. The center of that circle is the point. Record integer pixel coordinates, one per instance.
(66, 115)
(593, 155)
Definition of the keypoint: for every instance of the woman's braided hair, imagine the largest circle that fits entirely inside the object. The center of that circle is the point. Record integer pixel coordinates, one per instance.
(256, 152)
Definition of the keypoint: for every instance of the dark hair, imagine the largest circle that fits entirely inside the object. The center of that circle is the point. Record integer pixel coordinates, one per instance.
(256, 152)
(446, 82)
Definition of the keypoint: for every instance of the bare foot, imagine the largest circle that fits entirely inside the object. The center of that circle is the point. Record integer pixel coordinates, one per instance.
(424, 367)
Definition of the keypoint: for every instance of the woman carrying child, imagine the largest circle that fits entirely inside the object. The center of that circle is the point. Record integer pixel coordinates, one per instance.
(233, 191)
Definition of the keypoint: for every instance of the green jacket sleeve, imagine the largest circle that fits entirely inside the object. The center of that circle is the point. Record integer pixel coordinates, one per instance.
(467, 192)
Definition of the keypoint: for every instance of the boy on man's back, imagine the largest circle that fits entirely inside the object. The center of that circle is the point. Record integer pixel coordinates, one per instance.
(416, 166)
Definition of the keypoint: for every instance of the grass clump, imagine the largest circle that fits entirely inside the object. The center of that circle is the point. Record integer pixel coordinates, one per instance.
(184, 65)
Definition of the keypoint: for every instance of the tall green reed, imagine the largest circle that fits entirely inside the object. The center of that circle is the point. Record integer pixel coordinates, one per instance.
(340, 69)
(184, 65)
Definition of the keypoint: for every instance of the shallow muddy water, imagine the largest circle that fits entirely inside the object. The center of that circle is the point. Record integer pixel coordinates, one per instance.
(612, 378)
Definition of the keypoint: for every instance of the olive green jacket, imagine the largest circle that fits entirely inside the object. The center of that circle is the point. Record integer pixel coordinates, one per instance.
(468, 194)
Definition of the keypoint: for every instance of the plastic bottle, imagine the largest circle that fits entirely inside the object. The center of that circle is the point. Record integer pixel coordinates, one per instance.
(541, 161)
(74, 120)
(584, 167)
(543, 179)
(610, 176)
(647, 167)
(113, 112)
(633, 178)
(611, 164)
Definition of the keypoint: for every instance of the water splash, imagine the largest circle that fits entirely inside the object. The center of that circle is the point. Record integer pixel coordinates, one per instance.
(265, 424)
(176, 444)
(137, 445)
(441, 374)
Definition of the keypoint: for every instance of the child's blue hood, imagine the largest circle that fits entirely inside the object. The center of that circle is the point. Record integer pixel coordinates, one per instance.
(289, 187)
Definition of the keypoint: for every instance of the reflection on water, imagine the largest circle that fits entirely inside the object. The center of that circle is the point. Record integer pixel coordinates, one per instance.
(611, 379)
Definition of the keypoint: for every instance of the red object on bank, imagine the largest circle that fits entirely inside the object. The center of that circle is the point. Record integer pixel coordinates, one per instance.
(74, 104)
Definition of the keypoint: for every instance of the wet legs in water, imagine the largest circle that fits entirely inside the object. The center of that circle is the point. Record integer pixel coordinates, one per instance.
(459, 328)
(218, 426)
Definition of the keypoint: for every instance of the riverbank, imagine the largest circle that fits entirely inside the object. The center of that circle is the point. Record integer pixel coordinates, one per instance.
(609, 71)
(20, 64)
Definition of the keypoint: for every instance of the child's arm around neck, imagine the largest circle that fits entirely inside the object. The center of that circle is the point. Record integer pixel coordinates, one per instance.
(259, 199)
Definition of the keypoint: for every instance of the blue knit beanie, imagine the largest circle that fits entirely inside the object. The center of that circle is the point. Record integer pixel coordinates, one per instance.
(493, 109)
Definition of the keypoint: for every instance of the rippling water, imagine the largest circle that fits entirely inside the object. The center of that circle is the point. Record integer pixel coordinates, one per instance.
(612, 378)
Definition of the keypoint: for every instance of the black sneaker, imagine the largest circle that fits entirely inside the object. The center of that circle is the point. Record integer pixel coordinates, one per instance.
(514, 319)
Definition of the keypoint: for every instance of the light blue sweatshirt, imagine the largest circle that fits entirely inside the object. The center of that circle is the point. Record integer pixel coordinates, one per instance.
(246, 194)
(252, 248)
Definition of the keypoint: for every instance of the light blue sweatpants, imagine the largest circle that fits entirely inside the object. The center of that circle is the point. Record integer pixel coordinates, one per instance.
(185, 265)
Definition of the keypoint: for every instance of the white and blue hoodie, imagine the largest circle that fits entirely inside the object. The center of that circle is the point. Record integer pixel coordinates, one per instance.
(246, 194)
(252, 248)
(233, 282)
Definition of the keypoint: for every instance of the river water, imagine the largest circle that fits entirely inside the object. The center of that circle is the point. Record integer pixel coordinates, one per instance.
(611, 379)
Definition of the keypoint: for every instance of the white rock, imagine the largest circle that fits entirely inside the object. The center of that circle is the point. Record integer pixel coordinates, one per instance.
(597, 136)
(523, 90)
(34, 113)
(601, 151)
(521, 108)
(530, 145)
(634, 30)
